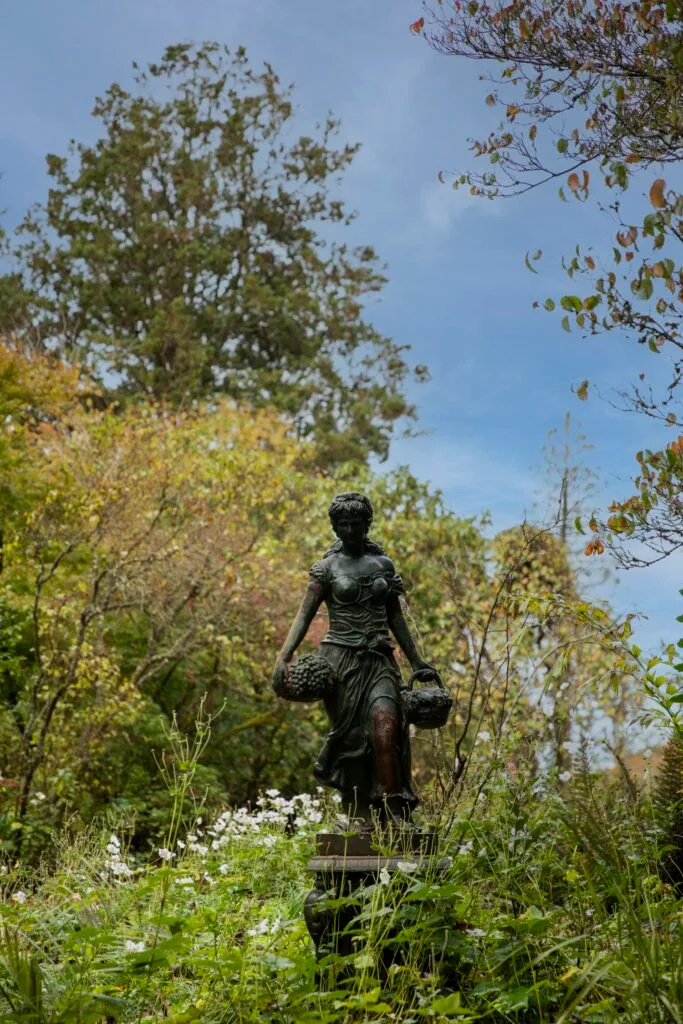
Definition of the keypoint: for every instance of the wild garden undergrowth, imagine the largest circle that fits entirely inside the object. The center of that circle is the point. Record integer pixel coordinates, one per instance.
(546, 906)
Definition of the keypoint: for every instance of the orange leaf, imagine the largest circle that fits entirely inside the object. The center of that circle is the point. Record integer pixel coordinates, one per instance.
(573, 182)
(657, 193)
(417, 26)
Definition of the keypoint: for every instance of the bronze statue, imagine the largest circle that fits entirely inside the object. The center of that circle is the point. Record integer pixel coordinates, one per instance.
(367, 753)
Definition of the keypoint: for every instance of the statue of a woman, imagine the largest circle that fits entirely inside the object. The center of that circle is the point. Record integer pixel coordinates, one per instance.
(367, 753)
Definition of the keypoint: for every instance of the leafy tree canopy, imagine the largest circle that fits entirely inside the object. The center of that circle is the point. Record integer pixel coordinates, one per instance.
(194, 250)
(591, 87)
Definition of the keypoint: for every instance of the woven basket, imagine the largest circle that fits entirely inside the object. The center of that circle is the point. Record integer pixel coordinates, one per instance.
(427, 708)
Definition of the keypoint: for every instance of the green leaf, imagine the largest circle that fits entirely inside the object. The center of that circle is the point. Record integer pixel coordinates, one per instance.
(562, 145)
(645, 289)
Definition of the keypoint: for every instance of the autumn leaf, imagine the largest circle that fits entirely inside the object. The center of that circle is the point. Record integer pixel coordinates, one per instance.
(417, 26)
(573, 182)
(657, 194)
(582, 390)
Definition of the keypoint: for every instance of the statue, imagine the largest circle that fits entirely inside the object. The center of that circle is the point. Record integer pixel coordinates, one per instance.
(367, 753)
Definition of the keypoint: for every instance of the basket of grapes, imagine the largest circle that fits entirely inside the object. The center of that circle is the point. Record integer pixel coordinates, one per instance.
(309, 678)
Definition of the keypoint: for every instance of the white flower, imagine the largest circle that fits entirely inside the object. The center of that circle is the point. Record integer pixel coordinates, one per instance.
(166, 854)
(407, 866)
(224, 869)
(465, 848)
(119, 868)
(134, 947)
(484, 735)
(272, 793)
(336, 798)
(269, 840)
(564, 776)
(180, 844)
(185, 880)
(476, 932)
(198, 848)
(20, 897)
(262, 928)
(384, 877)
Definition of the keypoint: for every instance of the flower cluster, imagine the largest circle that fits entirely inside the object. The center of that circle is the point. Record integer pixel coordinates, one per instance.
(266, 927)
(116, 863)
(272, 811)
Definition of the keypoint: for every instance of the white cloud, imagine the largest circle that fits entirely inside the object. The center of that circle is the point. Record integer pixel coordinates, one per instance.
(441, 205)
(473, 479)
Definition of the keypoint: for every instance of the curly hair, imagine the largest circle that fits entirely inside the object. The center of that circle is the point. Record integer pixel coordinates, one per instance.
(356, 504)
(351, 503)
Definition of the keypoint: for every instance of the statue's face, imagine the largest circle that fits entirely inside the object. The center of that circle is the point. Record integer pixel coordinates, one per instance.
(351, 530)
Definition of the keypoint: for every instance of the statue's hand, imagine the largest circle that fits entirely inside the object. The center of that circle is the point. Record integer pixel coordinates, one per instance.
(423, 672)
(280, 675)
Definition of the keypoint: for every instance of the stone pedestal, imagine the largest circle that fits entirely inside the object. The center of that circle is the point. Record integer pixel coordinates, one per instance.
(343, 863)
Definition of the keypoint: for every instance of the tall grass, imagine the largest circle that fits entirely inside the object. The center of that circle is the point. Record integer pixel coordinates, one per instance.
(547, 906)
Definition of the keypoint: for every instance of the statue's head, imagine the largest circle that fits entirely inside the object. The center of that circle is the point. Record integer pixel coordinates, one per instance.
(351, 514)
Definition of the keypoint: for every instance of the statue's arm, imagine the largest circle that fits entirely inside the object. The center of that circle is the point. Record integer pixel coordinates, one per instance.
(399, 627)
(304, 617)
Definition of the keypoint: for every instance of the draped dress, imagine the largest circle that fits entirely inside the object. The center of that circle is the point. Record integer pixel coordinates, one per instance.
(360, 651)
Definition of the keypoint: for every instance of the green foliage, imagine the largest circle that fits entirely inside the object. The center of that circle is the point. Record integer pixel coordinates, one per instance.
(195, 249)
(669, 805)
(152, 567)
(543, 909)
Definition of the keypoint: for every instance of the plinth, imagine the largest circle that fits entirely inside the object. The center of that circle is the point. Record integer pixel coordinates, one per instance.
(345, 862)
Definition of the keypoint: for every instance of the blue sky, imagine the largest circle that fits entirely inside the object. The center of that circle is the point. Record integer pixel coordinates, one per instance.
(459, 292)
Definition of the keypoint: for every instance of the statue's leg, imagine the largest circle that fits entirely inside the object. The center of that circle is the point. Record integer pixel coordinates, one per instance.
(386, 738)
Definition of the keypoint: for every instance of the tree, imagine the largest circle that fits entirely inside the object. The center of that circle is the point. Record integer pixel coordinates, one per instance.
(584, 85)
(148, 554)
(194, 250)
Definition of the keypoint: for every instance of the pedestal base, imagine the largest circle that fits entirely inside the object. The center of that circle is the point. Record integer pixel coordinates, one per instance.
(343, 863)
